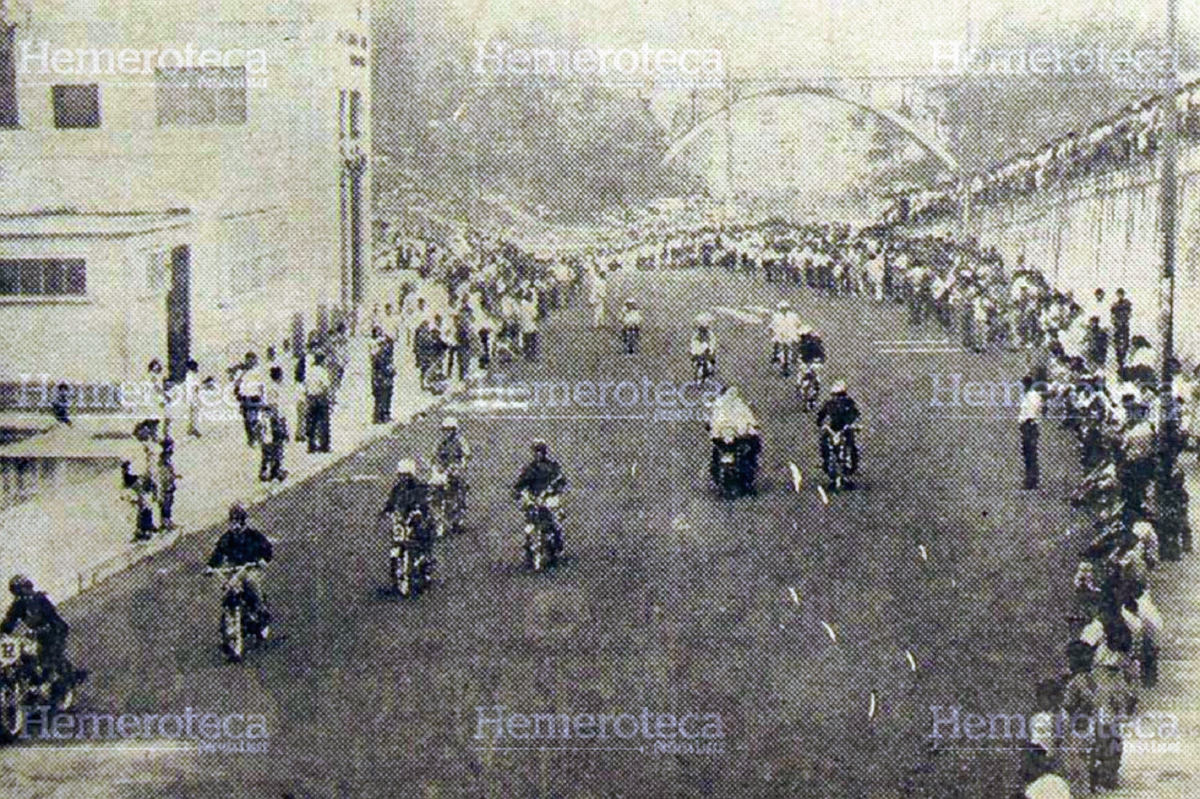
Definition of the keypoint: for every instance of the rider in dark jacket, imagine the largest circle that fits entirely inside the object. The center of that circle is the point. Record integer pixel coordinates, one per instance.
(241, 545)
(410, 495)
(34, 610)
(540, 474)
(838, 413)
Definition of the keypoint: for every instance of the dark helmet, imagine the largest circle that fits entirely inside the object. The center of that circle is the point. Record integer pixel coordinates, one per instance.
(539, 447)
(20, 584)
(237, 513)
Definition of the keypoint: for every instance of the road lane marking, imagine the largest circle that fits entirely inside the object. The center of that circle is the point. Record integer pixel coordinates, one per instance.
(829, 629)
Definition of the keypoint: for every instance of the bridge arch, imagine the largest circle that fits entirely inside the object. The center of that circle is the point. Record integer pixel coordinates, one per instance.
(709, 121)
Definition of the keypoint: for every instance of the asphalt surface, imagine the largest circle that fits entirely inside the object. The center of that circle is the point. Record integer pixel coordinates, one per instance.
(821, 633)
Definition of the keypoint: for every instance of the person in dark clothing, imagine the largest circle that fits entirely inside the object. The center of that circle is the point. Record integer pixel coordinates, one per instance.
(1120, 314)
(1096, 342)
(464, 339)
(60, 406)
(242, 545)
(168, 478)
(838, 414)
(383, 375)
(410, 495)
(541, 474)
(34, 610)
(275, 434)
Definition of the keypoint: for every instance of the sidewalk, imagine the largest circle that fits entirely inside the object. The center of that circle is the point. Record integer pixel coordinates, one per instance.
(76, 536)
(1170, 768)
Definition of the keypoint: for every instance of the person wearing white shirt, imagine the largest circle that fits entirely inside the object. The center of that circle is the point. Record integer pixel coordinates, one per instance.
(1029, 414)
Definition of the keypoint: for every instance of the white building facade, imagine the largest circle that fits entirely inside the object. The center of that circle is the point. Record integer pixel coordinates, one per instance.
(177, 180)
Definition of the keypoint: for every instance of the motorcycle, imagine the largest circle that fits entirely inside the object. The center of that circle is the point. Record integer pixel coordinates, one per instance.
(26, 682)
(840, 458)
(631, 337)
(449, 500)
(239, 621)
(544, 539)
(782, 355)
(411, 568)
(735, 463)
(810, 387)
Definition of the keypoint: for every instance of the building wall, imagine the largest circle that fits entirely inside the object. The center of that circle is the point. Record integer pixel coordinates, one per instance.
(1102, 232)
(266, 235)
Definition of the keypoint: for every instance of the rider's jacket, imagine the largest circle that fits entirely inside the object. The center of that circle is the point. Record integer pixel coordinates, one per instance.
(540, 474)
(36, 612)
(453, 451)
(838, 412)
(408, 494)
(239, 546)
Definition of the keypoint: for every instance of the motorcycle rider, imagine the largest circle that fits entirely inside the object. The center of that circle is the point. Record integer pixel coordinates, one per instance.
(541, 475)
(838, 414)
(35, 610)
(450, 460)
(631, 325)
(704, 343)
(410, 494)
(733, 426)
(783, 326)
(241, 545)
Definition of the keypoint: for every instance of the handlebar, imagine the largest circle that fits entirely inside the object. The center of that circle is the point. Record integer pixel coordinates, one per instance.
(233, 569)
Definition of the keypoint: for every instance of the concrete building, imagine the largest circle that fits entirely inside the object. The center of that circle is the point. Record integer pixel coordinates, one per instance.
(177, 180)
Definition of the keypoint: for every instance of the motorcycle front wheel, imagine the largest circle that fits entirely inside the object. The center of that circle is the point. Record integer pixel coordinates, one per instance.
(232, 634)
(12, 710)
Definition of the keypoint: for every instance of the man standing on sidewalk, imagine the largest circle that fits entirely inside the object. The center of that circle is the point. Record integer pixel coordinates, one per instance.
(1030, 412)
(383, 374)
(318, 387)
(274, 429)
(1120, 315)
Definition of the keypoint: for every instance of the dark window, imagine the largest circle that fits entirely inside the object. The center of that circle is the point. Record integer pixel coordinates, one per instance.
(355, 112)
(201, 96)
(8, 76)
(43, 277)
(76, 106)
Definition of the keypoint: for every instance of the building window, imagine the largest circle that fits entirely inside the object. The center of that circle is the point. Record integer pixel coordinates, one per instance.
(8, 76)
(200, 96)
(355, 114)
(76, 106)
(43, 277)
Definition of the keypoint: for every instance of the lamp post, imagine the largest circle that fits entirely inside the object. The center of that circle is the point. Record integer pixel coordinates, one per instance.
(1170, 498)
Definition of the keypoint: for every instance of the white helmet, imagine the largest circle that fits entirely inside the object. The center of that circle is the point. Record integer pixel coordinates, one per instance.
(450, 423)
(838, 387)
(783, 305)
(406, 466)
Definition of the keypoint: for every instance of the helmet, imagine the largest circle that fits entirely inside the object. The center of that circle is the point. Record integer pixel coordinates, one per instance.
(406, 466)
(539, 446)
(783, 305)
(237, 513)
(838, 387)
(449, 423)
(703, 320)
(630, 302)
(20, 584)
(1143, 531)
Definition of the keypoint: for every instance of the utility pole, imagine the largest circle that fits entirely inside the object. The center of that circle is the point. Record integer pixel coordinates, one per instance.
(1170, 499)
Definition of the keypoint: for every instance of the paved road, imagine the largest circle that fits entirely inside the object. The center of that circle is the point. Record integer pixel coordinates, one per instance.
(673, 600)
